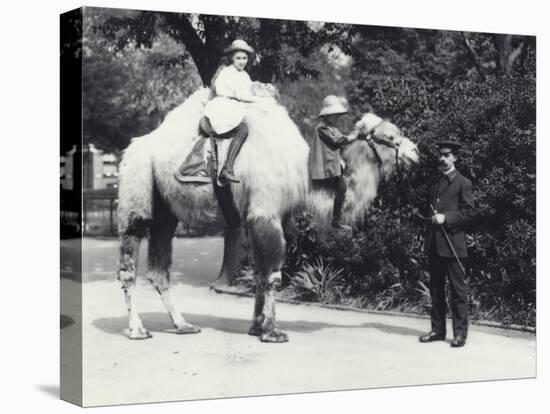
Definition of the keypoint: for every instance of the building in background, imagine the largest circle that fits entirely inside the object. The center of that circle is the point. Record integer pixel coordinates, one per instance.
(99, 169)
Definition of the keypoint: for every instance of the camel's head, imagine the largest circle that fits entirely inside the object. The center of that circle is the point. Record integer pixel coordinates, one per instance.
(388, 141)
(368, 163)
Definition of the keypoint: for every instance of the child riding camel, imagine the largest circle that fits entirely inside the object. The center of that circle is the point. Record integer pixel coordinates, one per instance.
(231, 90)
(326, 164)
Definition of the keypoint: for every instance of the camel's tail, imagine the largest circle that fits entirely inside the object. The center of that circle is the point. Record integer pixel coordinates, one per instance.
(135, 192)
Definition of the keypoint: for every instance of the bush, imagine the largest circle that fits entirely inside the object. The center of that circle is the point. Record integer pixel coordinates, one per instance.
(319, 281)
(495, 122)
(425, 82)
(383, 253)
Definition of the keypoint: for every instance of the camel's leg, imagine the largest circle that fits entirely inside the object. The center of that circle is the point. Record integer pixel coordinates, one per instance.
(258, 317)
(127, 273)
(269, 247)
(159, 261)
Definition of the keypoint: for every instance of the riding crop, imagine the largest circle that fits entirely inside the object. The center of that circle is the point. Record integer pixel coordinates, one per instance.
(449, 243)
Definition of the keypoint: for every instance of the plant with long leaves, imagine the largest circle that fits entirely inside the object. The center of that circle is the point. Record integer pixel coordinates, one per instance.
(318, 281)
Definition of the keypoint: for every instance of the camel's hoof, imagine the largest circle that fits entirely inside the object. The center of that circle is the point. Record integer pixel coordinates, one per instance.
(276, 336)
(138, 333)
(255, 330)
(188, 329)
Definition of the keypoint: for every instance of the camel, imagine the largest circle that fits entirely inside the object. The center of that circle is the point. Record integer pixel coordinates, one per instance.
(273, 169)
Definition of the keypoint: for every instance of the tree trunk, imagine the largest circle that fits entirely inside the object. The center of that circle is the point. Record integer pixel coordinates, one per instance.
(507, 54)
(206, 58)
(233, 256)
(473, 56)
(234, 236)
(269, 39)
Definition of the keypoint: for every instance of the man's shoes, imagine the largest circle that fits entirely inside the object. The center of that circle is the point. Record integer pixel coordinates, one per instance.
(431, 337)
(458, 341)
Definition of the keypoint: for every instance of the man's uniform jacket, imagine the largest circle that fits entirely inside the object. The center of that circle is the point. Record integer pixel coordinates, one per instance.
(450, 195)
(325, 160)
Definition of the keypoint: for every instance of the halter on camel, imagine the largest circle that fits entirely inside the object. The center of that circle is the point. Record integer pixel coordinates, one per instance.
(372, 139)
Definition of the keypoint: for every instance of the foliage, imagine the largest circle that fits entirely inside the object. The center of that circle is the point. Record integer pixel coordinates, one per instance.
(302, 96)
(375, 256)
(319, 281)
(286, 49)
(127, 92)
(425, 84)
(247, 278)
(304, 248)
(139, 65)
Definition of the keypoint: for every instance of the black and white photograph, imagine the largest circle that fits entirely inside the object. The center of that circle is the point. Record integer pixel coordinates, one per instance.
(261, 198)
(277, 209)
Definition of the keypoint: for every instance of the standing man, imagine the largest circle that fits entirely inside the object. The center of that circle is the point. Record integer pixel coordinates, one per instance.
(449, 199)
(325, 162)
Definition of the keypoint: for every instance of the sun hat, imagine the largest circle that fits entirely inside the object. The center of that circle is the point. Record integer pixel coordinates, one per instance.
(239, 45)
(332, 105)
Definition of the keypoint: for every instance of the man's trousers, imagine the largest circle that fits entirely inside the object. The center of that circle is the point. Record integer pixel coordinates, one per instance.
(440, 269)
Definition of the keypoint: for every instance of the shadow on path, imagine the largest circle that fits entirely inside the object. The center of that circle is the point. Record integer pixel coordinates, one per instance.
(160, 322)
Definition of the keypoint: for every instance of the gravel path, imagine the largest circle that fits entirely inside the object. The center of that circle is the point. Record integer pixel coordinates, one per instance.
(328, 349)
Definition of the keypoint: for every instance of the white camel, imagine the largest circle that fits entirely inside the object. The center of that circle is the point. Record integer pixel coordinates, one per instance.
(272, 168)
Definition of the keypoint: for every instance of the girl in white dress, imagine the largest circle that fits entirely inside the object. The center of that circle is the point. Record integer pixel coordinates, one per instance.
(231, 91)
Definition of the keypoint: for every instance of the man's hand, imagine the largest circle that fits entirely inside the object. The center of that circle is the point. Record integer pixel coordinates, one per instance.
(438, 218)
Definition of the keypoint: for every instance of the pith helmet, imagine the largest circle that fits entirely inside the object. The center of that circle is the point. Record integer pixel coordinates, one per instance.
(332, 105)
(239, 45)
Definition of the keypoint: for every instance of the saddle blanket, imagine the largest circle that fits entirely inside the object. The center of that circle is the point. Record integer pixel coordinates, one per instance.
(203, 159)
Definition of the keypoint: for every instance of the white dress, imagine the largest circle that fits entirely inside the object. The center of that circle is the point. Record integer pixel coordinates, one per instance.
(227, 110)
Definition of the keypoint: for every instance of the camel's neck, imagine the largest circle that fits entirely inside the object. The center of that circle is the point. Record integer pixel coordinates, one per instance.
(363, 185)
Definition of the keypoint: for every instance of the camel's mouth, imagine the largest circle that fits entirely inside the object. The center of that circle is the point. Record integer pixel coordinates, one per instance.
(411, 160)
(409, 153)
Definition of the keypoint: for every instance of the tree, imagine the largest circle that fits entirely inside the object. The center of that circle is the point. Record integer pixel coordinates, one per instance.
(507, 52)
(140, 64)
(128, 91)
(284, 46)
(480, 89)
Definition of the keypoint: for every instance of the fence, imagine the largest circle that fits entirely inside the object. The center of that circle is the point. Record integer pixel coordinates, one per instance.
(99, 212)
(99, 216)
